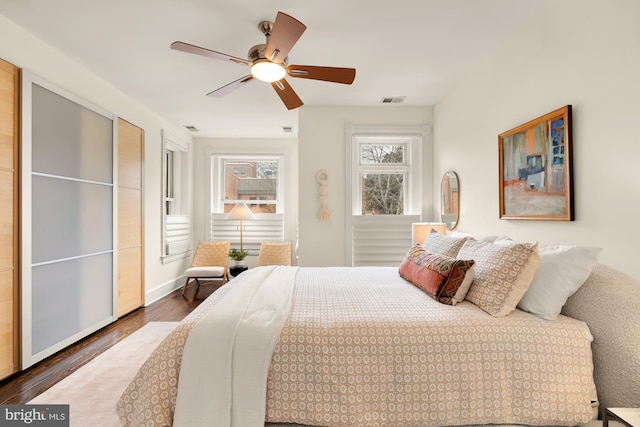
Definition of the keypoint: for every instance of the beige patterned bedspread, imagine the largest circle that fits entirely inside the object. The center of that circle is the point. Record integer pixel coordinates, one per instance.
(363, 347)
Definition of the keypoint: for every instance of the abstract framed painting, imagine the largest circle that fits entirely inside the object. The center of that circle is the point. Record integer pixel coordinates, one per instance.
(535, 174)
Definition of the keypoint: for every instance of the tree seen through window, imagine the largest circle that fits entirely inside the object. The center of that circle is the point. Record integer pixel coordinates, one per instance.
(382, 185)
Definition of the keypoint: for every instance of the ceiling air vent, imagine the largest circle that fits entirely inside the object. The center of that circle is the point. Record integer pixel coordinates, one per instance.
(192, 128)
(287, 129)
(392, 99)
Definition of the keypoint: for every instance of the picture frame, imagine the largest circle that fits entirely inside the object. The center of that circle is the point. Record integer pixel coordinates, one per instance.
(535, 170)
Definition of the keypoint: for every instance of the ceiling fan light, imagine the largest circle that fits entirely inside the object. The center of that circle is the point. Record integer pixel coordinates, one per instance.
(267, 71)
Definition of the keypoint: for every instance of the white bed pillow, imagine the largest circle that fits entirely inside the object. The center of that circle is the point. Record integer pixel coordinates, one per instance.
(562, 270)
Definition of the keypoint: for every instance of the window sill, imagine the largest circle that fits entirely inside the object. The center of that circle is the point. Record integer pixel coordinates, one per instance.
(166, 259)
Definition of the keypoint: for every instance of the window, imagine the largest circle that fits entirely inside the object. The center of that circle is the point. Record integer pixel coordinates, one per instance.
(383, 177)
(386, 170)
(385, 184)
(259, 186)
(257, 181)
(176, 220)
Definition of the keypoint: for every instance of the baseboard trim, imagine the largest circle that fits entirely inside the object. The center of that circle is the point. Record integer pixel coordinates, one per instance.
(165, 289)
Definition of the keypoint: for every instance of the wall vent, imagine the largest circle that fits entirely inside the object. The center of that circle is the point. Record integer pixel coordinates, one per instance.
(392, 99)
(287, 129)
(192, 128)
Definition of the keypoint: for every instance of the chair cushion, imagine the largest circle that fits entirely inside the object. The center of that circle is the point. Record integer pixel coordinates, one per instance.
(204, 272)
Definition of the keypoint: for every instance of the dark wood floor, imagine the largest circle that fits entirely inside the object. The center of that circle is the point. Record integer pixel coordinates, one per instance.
(24, 386)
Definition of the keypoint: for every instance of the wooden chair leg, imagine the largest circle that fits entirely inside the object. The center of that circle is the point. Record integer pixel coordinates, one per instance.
(224, 279)
(186, 282)
(197, 288)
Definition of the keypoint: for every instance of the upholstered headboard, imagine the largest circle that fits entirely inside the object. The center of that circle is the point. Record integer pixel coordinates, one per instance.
(609, 302)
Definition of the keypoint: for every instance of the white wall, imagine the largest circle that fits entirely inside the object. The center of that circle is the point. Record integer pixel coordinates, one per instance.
(580, 52)
(26, 51)
(203, 147)
(321, 137)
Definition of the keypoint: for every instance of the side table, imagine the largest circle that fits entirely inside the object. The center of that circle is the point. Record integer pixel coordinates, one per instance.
(234, 270)
(630, 417)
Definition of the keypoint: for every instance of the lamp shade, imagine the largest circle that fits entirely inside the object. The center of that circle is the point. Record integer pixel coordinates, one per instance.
(240, 211)
(420, 230)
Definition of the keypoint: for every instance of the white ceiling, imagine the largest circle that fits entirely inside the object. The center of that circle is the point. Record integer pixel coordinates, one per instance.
(418, 49)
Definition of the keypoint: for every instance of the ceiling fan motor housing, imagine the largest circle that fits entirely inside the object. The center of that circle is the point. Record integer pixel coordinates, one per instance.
(257, 52)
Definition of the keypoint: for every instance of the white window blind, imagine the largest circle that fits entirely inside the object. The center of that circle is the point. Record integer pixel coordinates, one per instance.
(177, 233)
(265, 227)
(380, 240)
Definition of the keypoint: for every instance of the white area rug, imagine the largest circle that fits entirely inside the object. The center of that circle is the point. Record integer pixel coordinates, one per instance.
(93, 390)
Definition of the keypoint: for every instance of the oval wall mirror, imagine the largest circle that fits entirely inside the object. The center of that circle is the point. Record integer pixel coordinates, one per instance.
(449, 204)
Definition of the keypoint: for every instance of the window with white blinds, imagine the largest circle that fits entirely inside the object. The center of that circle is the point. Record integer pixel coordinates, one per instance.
(385, 185)
(176, 217)
(381, 240)
(177, 234)
(258, 181)
(265, 227)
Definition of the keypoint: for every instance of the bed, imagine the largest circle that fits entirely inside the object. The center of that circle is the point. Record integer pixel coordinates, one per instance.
(368, 347)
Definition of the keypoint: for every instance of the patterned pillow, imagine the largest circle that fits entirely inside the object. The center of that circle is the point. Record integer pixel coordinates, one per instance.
(445, 279)
(502, 274)
(440, 244)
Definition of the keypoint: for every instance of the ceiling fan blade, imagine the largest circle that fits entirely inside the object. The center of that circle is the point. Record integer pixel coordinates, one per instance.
(197, 50)
(224, 90)
(328, 74)
(286, 32)
(287, 94)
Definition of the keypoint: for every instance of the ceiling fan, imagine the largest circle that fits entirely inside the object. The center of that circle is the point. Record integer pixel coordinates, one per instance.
(269, 62)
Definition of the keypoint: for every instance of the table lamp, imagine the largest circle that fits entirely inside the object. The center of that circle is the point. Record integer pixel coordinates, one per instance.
(240, 211)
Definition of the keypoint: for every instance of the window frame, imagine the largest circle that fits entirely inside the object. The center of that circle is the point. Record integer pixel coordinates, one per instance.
(412, 137)
(176, 189)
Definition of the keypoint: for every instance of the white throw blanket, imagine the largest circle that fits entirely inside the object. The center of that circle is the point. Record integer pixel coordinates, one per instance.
(227, 355)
